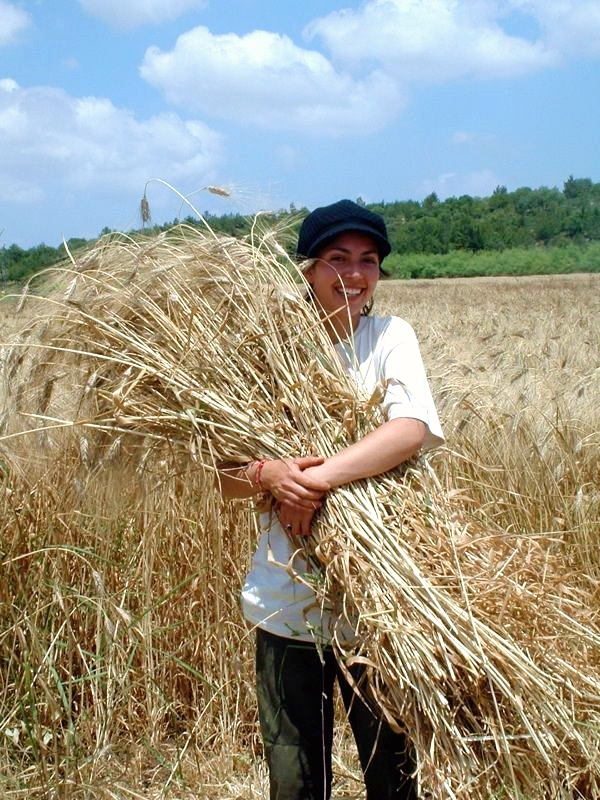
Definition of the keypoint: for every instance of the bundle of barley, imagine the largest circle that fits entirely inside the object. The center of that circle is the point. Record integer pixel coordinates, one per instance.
(475, 640)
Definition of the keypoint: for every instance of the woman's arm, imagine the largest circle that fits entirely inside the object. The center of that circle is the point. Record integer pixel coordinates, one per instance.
(298, 484)
(237, 480)
(386, 447)
(382, 449)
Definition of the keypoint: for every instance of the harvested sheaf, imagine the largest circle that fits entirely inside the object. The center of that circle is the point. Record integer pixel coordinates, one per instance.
(192, 346)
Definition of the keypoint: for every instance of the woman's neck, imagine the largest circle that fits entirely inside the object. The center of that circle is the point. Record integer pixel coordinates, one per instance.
(341, 326)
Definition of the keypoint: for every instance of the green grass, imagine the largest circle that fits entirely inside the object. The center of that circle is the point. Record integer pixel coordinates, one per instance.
(516, 261)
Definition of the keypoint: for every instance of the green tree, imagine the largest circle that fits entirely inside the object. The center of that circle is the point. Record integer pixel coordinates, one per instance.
(577, 187)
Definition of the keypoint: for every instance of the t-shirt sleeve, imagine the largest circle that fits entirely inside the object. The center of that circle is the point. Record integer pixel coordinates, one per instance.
(407, 391)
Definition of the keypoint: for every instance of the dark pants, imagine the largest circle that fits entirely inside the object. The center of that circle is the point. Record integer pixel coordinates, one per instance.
(295, 702)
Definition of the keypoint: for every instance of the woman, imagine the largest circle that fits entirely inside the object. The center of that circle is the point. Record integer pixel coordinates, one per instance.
(344, 245)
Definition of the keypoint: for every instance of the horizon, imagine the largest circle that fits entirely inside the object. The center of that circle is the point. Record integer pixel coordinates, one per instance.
(150, 224)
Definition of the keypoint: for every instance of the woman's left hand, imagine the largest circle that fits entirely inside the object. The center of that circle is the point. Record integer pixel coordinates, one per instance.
(295, 519)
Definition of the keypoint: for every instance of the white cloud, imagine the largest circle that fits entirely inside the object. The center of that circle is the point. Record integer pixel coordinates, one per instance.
(71, 63)
(265, 79)
(13, 20)
(570, 26)
(430, 40)
(453, 184)
(127, 14)
(8, 85)
(53, 143)
(462, 137)
(376, 54)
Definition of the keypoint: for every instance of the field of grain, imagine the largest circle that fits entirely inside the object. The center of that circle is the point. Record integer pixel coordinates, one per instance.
(126, 668)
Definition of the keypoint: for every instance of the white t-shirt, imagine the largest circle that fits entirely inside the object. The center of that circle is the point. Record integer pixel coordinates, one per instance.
(384, 352)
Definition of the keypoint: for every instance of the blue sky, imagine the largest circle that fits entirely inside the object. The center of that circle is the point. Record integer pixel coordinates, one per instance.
(284, 103)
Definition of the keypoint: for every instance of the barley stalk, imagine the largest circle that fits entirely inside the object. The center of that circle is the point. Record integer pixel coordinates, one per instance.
(195, 346)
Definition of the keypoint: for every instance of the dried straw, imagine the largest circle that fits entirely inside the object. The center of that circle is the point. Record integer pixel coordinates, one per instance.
(203, 347)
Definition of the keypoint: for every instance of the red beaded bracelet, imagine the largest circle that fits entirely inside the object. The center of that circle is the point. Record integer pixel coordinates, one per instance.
(257, 473)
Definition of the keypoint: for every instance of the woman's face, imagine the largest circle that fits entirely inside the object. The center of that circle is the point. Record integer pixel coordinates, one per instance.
(343, 277)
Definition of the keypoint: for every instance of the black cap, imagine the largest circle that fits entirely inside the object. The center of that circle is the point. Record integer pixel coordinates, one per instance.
(326, 222)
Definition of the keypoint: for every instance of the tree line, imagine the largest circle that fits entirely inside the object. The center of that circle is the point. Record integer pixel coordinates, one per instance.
(456, 236)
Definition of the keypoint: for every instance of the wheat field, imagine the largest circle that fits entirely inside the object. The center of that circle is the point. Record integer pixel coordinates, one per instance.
(126, 668)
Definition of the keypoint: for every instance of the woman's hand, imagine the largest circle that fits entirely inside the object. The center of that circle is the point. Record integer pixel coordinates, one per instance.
(379, 451)
(297, 494)
(295, 520)
(291, 486)
(282, 478)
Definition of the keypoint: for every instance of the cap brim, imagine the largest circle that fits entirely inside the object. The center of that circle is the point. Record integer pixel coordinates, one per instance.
(383, 246)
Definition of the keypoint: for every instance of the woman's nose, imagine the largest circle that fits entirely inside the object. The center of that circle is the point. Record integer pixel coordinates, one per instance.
(350, 267)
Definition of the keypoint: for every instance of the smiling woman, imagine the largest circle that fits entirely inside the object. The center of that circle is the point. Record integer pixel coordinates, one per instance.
(343, 245)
